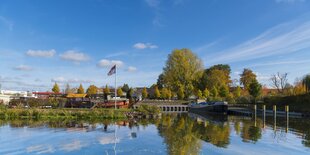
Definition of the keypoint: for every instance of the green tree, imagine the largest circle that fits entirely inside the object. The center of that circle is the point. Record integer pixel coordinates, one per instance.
(125, 88)
(129, 93)
(199, 94)
(160, 81)
(181, 93)
(206, 93)
(80, 89)
(56, 88)
(237, 92)
(255, 89)
(106, 90)
(306, 83)
(214, 92)
(183, 69)
(169, 95)
(92, 89)
(224, 91)
(156, 93)
(144, 93)
(119, 92)
(247, 77)
(216, 75)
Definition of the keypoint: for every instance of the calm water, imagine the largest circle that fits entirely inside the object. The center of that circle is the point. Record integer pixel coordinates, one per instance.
(172, 134)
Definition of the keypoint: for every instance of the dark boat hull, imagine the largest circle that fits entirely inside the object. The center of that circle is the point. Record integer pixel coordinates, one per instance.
(210, 109)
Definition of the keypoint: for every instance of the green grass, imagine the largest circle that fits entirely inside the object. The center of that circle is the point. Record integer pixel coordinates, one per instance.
(7, 113)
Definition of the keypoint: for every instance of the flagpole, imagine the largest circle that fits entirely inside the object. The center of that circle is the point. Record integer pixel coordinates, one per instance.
(115, 90)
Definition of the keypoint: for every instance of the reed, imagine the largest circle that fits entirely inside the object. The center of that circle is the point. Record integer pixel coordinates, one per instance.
(7, 113)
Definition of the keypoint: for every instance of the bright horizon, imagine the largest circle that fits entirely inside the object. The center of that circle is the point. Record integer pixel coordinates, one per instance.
(42, 42)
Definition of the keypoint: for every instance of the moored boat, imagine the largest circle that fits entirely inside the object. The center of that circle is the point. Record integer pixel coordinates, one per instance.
(209, 107)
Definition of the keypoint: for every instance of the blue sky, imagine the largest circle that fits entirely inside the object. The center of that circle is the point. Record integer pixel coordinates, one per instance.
(66, 41)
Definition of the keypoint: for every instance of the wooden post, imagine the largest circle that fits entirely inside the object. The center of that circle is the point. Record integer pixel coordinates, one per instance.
(287, 117)
(264, 115)
(275, 117)
(255, 108)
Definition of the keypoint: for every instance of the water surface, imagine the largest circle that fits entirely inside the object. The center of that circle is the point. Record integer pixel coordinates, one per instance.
(172, 134)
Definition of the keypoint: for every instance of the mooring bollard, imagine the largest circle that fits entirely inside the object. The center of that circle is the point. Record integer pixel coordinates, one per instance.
(287, 117)
(255, 109)
(264, 115)
(275, 117)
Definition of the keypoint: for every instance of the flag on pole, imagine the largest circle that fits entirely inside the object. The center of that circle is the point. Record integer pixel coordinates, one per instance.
(112, 70)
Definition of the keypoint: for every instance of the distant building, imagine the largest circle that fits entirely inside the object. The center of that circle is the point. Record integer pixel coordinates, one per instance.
(7, 95)
(46, 95)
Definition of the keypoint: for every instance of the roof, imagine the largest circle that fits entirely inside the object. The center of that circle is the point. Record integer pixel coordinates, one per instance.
(76, 95)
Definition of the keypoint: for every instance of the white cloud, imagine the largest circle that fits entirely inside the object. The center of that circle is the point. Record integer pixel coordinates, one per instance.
(41, 53)
(64, 80)
(23, 68)
(144, 46)
(282, 39)
(109, 63)
(131, 69)
(7, 22)
(74, 56)
(40, 149)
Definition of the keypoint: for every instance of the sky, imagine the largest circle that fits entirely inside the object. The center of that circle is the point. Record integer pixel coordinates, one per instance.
(78, 41)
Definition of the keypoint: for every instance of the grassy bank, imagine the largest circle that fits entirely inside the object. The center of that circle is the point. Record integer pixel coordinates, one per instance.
(7, 113)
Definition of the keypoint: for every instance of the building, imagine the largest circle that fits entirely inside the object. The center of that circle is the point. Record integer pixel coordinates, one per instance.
(46, 95)
(7, 95)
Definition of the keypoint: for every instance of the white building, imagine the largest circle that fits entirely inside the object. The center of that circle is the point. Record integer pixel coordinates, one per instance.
(7, 95)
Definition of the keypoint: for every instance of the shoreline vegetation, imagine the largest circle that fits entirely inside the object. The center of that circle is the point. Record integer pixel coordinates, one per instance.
(78, 113)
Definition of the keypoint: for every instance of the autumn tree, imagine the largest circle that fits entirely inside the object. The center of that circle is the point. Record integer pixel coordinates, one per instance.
(169, 95)
(215, 76)
(92, 89)
(183, 69)
(144, 93)
(206, 93)
(306, 83)
(246, 78)
(180, 93)
(237, 92)
(214, 92)
(160, 81)
(199, 94)
(164, 93)
(55, 88)
(156, 92)
(119, 92)
(106, 90)
(80, 89)
(255, 89)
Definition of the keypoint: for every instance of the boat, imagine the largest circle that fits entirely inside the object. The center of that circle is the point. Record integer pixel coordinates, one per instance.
(209, 107)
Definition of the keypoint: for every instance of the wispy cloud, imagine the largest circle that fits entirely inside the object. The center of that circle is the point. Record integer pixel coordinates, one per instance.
(131, 69)
(73, 80)
(285, 62)
(282, 39)
(109, 63)
(23, 68)
(8, 23)
(289, 1)
(144, 46)
(74, 56)
(41, 53)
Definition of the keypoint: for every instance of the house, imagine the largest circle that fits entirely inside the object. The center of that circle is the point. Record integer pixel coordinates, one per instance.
(78, 101)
